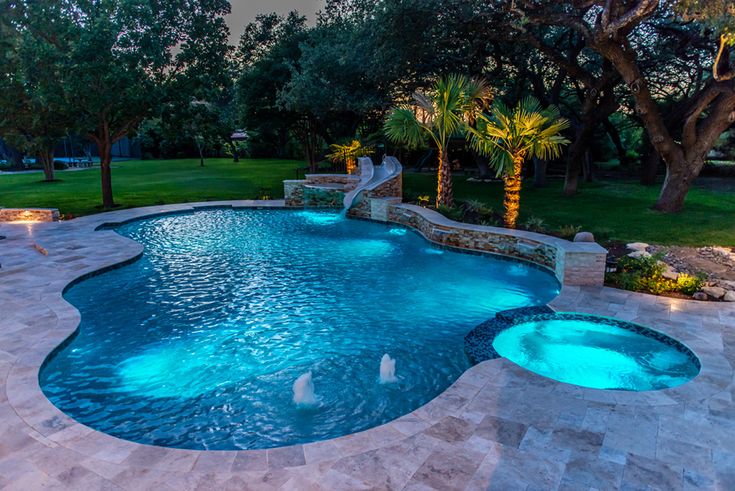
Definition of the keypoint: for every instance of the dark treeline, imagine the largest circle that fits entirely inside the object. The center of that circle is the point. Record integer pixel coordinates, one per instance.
(648, 84)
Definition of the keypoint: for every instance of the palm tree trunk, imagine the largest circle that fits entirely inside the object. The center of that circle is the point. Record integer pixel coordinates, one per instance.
(444, 194)
(512, 189)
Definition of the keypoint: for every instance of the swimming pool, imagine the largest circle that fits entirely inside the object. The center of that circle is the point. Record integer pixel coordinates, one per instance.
(597, 352)
(198, 344)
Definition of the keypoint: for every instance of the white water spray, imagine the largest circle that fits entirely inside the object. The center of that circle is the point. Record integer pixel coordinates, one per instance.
(303, 390)
(387, 369)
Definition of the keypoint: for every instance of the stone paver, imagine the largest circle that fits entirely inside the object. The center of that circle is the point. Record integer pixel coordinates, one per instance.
(498, 427)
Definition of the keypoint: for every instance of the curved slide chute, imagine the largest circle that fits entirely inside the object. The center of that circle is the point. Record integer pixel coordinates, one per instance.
(371, 177)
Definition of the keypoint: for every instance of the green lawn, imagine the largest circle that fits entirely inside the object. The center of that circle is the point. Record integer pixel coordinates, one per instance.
(149, 182)
(619, 211)
(611, 210)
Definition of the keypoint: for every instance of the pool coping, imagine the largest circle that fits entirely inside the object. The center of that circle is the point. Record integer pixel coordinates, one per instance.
(53, 320)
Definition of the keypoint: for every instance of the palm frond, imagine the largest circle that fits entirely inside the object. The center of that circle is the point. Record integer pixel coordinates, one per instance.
(527, 130)
(401, 126)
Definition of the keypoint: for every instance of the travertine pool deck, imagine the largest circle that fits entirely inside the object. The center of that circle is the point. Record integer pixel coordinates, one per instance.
(498, 427)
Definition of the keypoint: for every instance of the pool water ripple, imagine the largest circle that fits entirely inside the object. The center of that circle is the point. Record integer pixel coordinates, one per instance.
(198, 343)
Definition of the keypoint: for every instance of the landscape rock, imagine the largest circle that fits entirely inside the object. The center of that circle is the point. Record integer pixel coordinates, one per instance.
(584, 237)
(637, 246)
(699, 296)
(729, 297)
(714, 291)
(670, 274)
(639, 254)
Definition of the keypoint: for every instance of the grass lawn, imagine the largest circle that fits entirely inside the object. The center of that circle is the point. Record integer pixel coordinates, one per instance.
(149, 182)
(610, 210)
(614, 210)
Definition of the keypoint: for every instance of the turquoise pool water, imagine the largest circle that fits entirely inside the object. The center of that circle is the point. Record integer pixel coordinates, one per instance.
(197, 344)
(597, 352)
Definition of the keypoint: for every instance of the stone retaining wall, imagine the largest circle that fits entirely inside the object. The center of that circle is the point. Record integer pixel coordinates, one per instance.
(322, 197)
(478, 240)
(573, 263)
(29, 215)
(293, 192)
(373, 204)
(349, 181)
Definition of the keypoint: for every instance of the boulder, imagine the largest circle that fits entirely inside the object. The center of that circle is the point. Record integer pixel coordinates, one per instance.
(699, 296)
(637, 246)
(584, 237)
(639, 254)
(714, 291)
(729, 297)
(670, 274)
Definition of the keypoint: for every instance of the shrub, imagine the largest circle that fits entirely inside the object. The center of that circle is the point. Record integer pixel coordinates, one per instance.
(423, 200)
(688, 284)
(535, 224)
(568, 231)
(409, 195)
(453, 213)
(646, 266)
(475, 206)
(645, 274)
(655, 284)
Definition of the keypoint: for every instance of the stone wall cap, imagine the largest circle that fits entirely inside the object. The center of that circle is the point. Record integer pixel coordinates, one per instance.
(342, 176)
(438, 219)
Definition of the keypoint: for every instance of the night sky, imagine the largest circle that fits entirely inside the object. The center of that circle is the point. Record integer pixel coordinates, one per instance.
(244, 11)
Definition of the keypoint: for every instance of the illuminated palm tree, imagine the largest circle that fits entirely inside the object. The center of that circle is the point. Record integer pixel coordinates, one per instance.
(439, 115)
(509, 136)
(348, 153)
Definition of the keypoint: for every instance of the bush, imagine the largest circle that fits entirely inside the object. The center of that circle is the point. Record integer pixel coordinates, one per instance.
(645, 274)
(645, 266)
(535, 224)
(655, 284)
(454, 213)
(475, 206)
(568, 231)
(688, 284)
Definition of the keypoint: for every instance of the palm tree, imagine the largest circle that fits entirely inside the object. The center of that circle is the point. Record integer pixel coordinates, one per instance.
(509, 136)
(348, 153)
(439, 115)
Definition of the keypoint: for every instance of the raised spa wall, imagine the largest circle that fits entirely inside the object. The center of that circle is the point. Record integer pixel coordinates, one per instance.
(29, 214)
(573, 263)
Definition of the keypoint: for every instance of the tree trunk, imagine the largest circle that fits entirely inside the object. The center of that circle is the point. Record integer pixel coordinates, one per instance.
(47, 159)
(575, 158)
(614, 135)
(201, 157)
(105, 151)
(683, 160)
(649, 167)
(539, 173)
(587, 170)
(444, 195)
(512, 193)
(679, 177)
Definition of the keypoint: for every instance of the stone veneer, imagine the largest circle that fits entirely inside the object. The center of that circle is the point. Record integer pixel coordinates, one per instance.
(319, 190)
(29, 215)
(573, 263)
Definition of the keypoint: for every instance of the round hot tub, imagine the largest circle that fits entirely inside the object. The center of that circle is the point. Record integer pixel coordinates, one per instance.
(597, 352)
